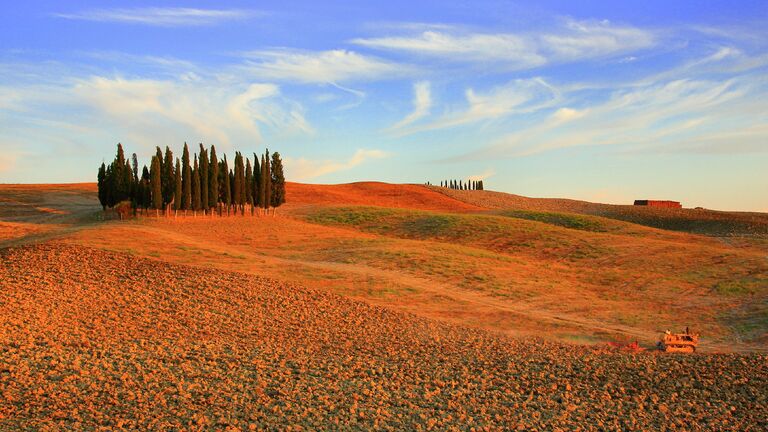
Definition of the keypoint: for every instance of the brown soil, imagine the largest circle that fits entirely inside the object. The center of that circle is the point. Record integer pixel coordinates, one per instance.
(136, 344)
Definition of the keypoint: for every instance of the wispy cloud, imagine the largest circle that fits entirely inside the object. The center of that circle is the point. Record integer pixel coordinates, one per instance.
(332, 66)
(691, 116)
(490, 172)
(517, 96)
(572, 41)
(303, 169)
(215, 112)
(165, 17)
(150, 112)
(422, 102)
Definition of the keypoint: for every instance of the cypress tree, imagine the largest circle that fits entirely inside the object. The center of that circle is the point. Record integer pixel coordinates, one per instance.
(241, 196)
(157, 188)
(135, 190)
(256, 180)
(196, 187)
(213, 180)
(248, 182)
(120, 190)
(102, 177)
(146, 197)
(267, 182)
(226, 197)
(135, 167)
(159, 154)
(263, 183)
(233, 198)
(177, 189)
(186, 180)
(128, 182)
(237, 190)
(139, 193)
(278, 181)
(169, 181)
(203, 178)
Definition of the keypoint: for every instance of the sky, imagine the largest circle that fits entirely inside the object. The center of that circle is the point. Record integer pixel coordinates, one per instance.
(601, 101)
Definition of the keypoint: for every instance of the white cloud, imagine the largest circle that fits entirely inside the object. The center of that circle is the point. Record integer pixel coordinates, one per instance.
(593, 39)
(333, 66)
(675, 116)
(517, 96)
(490, 172)
(470, 47)
(422, 102)
(302, 168)
(166, 17)
(573, 41)
(150, 111)
(565, 114)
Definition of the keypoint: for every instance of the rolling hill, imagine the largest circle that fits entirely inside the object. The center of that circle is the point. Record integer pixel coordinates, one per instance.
(372, 305)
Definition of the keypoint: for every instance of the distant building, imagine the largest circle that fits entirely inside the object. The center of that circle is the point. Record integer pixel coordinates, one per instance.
(658, 203)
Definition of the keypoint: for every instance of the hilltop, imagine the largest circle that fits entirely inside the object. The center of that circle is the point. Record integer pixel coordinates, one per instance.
(698, 221)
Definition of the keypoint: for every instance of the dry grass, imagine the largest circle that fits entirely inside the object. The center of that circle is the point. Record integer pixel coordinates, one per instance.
(373, 194)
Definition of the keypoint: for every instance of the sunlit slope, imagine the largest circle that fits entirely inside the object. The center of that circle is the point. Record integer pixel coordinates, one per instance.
(581, 265)
(561, 275)
(374, 194)
(700, 221)
(39, 212)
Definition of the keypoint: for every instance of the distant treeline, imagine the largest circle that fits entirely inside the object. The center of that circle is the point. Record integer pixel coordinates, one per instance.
(461, 185)
(206, 184)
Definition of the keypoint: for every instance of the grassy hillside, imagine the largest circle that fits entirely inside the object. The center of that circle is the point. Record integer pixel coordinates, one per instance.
(582, 265)
(561, 275)
(698, 221)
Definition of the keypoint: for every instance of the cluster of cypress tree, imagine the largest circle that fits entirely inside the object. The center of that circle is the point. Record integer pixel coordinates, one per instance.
(462, 185)
(204, 183)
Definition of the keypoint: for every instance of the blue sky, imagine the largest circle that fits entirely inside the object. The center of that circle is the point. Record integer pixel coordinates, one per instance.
(603, 101)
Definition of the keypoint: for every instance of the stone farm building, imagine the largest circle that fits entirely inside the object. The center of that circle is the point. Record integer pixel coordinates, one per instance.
(658, 203)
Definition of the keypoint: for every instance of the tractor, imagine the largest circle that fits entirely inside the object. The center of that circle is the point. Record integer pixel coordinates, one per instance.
(679, 342)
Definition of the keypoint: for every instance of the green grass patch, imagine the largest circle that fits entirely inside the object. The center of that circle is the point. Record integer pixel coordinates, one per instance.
(491, 232)
(565, 220)
(742, 286)
(749, 321)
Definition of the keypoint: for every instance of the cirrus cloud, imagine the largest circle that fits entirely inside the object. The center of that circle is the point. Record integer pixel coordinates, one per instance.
(573, 41)
(331, 66)
(165, 17)
(303, 168)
